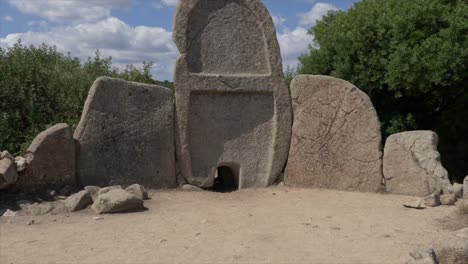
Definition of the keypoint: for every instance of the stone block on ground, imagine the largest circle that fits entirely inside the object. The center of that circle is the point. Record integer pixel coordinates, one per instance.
(415, 203)
(8, 174)
(50, 161)
(138, 190)
(230, 87)
(117, 201)
(432, 200)
(336, 138)
(448, 199)
(126, 135)
(412, 165)
(78, 201)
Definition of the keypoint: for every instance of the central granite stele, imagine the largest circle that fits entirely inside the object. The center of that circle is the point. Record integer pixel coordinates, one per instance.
(232, 103)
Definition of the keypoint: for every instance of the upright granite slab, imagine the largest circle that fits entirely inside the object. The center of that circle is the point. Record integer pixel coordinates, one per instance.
(336, 141)
(412, 164)
(126, 135)
(50, 161)
(233, 106)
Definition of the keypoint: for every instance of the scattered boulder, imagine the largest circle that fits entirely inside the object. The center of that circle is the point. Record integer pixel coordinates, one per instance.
(415, 203)
(93, 191)
(457, 189)
(448, 199)
(117, 201)
(108, 189)
(20, 164)
(138, 190)
(8, 174)
(465, 188)
(412, 166)
(6, 155)
(78, 201)
(50, 161)
(422, 257)
(191, 188)
(126, 135)
(432, 200)
(452, 250)
(336, 138)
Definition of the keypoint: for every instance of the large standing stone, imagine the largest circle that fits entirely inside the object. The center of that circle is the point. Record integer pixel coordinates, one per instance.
(412, 164)
(126, 135)
(8, 174)
(233, 106)
(50, 161)
(336, 136)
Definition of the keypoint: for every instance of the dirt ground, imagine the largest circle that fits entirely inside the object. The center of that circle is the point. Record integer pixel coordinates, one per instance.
(273, 225)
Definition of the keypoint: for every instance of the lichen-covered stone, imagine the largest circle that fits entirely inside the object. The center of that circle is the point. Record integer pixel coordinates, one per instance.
(126, 135)
(233, 105)
(412, 164)
(336, 139)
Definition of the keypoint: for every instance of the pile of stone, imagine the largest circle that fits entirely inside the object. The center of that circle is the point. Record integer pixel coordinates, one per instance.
(452, 249)
(113, 199)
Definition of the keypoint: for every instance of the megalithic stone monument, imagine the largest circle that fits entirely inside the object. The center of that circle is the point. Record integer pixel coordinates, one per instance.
(232, 102)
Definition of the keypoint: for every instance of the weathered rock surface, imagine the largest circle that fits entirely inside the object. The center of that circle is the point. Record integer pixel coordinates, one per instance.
(126, 135)
(457, 189)
(422, 257)
(432, 200)
(20, 164)
(448, 199)
(138, 190)
(6, 155)
(230, 88)
(415, 203)
(93, 191)
(462, 206)
(78, 201)
(191, 188)
(50, 161)
(108, 189)
(412, 164)
(335, 137)
(8, 174)
(117, 201)
(465, 188)
(452, 250)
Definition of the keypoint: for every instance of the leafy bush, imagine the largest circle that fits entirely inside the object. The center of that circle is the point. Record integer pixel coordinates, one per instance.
(411, 58)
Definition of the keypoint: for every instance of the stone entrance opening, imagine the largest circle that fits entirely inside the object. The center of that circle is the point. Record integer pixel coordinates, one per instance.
(227, 180)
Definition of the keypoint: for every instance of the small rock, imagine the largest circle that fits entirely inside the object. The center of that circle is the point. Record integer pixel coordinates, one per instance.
(457, 189)
(462, 207)
(93, 191)
(432, 200)
(191, 188)
(204, 221)
(6, 155)
(448, 199)
(30, 222)
(117, 201)
(281, 184)
(138, 190)
(37, 209)
(78, 201)
(98, 218)
(8, 174)
(423, 257)
(9, 213)
(416, 203)
(20, 164)
(107, 189)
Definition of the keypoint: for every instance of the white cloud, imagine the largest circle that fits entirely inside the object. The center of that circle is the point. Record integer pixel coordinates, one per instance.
(293, 44)
(161, 3)
(113, 37)
(8, 18)
(73, 11)
(279, 21)
(315, 14)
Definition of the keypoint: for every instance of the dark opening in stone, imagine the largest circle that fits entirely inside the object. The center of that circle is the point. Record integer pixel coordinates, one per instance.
(226, 180)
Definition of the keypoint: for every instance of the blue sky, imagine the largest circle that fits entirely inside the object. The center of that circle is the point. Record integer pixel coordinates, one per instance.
(132, 31)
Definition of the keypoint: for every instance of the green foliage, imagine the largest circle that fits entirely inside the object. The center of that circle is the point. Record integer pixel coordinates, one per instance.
(40, 86)
(411, 58)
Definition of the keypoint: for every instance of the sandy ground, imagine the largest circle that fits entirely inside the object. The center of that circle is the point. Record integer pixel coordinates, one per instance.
(273, 225)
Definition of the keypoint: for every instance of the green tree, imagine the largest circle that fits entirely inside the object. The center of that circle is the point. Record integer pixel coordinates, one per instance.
(39, 87)
(411, 58)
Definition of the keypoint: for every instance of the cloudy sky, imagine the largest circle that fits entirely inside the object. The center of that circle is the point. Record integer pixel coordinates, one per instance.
(132, 31)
